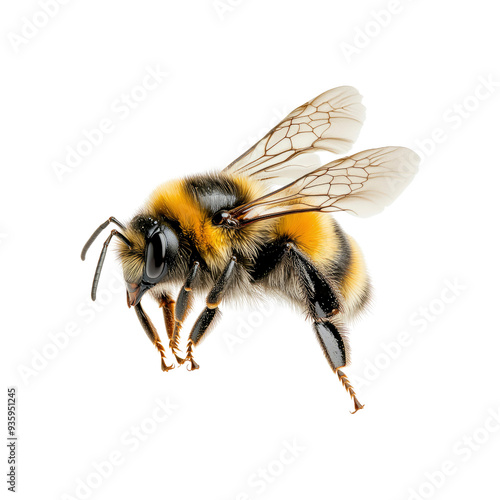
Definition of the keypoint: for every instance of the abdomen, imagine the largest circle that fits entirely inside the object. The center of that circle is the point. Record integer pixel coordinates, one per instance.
(334, 253)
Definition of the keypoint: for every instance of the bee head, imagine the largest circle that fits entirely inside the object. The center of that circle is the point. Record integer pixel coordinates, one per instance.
(146, 262)
(148, 248)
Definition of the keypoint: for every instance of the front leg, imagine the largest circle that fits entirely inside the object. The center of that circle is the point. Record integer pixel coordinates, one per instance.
(206, 318)
(151, 332)
(167, 305)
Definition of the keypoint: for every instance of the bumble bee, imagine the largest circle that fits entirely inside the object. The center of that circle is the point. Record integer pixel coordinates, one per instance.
(262, 226)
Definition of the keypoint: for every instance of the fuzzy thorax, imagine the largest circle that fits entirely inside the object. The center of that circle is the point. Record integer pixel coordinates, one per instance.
(179, 201)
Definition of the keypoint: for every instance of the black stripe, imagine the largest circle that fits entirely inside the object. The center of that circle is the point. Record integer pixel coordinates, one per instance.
(214, 192)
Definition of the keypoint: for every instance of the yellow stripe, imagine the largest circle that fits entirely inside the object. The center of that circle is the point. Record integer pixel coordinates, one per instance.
(313, 234)
(355, 279)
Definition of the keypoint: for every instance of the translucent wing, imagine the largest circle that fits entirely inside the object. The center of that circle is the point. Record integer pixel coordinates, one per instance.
(330, 122)
(362, 184)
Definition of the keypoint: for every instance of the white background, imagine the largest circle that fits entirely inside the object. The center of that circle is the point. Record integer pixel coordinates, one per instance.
(234, 69)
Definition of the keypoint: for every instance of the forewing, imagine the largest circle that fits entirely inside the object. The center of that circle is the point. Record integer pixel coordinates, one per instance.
(362, 184)
(330, 122)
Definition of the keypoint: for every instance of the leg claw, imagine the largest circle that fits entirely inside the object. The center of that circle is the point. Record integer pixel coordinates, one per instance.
(166, 367)
(357, 405)
(194, 365)
(179, 360)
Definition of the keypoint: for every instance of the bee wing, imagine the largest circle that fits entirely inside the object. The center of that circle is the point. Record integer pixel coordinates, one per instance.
(362, 184)
(330, 122)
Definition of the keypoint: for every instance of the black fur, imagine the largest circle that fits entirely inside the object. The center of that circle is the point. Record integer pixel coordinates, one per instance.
(215, 192)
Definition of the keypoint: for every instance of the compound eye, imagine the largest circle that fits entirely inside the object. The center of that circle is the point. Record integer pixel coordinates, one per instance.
(155, 255)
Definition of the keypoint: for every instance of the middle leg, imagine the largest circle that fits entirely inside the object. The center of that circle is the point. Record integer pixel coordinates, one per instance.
(211, 311)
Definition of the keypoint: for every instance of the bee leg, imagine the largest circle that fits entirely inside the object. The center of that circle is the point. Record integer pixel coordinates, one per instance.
(151, 332)
(180, 311)
(323, 305)
(205, 319)
(167, 305)
(334, 349)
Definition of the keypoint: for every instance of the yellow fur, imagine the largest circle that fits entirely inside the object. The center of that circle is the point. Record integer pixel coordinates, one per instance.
(173, 200)
(312, 233)
(356, 277)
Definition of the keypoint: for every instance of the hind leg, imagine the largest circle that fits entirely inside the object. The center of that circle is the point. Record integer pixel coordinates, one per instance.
(334, 348)
(322, 301)
(324, 305)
